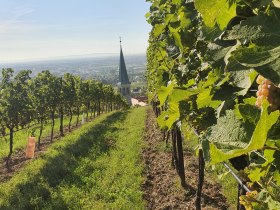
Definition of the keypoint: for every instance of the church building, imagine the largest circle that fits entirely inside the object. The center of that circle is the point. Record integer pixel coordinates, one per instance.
(123, 84)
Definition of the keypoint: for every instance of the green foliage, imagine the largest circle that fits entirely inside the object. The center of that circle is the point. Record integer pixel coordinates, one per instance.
(257, 141)
(216, 11)
(15, 103)
(203, 59)
(229, 132)
(25, 100)
(260, 35)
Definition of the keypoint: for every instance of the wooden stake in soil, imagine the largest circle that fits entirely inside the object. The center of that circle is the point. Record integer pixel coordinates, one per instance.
(174, 162)
(181, 166)
(201, 166)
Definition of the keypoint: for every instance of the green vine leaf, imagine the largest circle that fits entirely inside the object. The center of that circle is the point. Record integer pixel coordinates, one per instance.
(257, 141)
(262, 30)
(249, 113)
(276, 177)
(263, 52)
(169, 117)
(243, 79)
(181, 94)
(272, 204)
(216, 11)
(164, 92)
(158, 29)
(264, 60)
(204, 99)
(229, 132)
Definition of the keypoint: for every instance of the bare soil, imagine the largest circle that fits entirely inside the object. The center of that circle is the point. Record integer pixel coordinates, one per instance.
(162, 189)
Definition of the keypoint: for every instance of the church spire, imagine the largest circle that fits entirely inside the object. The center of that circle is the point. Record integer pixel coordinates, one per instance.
(123, 78)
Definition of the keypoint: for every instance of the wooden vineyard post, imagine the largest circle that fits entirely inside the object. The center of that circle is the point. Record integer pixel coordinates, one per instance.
(201, 166)
(174, 149)
(164, 134)
(181, 166)
(178, 155)
(167, 137)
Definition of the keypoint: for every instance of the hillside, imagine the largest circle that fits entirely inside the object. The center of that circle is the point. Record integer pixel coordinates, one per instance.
(95, 167)
(117, 161)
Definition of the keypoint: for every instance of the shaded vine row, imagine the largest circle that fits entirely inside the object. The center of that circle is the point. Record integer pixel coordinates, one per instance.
(206, 63)
(25, 100)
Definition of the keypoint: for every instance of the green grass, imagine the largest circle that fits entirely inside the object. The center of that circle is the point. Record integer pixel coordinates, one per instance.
(95, 167)
(226, 180)
(20, 137)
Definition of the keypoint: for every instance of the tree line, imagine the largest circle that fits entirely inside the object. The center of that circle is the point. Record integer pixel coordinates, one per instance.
(25, 100)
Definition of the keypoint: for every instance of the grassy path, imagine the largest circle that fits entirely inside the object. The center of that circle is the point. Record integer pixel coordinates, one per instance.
(95, 167)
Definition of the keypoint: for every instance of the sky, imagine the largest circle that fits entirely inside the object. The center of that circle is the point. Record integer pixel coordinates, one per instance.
(43, 29)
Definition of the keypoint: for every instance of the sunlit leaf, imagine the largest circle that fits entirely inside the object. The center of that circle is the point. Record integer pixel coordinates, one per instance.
(257, 141)
(216, 11)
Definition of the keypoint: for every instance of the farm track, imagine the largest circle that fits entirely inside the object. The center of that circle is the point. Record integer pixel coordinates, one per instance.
(162, 188)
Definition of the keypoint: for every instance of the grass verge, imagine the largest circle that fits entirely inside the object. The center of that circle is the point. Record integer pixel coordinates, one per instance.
(95, 167)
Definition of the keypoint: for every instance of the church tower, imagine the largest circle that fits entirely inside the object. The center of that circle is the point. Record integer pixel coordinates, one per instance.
(123, 84)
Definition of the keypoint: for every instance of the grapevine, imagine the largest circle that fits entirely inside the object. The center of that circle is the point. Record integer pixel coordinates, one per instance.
(25, 100)
(205, 62)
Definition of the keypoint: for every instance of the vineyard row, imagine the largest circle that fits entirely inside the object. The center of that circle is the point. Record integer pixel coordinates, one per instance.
(216, 66)
(25, 100)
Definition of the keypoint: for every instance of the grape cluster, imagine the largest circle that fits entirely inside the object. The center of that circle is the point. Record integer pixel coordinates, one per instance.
(248, 199)
(267, 90)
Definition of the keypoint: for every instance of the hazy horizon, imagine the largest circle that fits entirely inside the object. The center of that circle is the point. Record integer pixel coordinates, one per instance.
(69, 57)
(102, 67)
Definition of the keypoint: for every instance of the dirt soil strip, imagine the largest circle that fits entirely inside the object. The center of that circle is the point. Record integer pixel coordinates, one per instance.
(162, 188)
(18, 159)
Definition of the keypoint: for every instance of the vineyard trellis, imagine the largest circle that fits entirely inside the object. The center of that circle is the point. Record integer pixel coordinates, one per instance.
(25, 100)
(216, 65)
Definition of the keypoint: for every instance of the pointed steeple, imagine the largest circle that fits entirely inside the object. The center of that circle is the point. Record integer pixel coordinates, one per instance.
(123, 78)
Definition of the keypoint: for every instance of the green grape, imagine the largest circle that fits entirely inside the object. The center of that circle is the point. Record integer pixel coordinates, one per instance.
(267, 90)
(260, 79)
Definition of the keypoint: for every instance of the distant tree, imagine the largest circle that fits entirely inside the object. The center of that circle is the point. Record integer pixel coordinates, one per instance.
(108, 97)
(54, 97)
(100, 96)
(41, 96)
(70, 94)
(93, 91)
(61, 102)
(15, 104)
(85, 96)
(78, 101)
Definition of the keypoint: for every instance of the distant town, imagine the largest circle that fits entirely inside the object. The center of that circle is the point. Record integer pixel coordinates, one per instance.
(101, 67)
